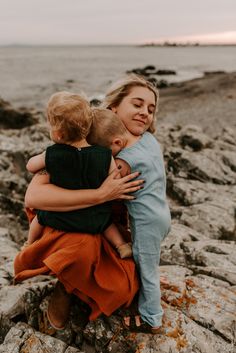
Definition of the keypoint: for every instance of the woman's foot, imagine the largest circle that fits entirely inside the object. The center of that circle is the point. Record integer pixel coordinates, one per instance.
(59, 307)
(136, 324)
(125, 250)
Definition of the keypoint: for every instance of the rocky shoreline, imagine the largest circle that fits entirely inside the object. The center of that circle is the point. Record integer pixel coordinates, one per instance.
(197, 129)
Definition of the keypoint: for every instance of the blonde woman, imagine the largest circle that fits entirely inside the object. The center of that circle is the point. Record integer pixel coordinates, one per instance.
(134, 100)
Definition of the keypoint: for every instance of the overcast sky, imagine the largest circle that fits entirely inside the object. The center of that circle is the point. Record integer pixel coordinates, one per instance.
(115, 21)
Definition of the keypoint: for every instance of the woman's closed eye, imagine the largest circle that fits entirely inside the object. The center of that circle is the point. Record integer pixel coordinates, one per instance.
(151, 110)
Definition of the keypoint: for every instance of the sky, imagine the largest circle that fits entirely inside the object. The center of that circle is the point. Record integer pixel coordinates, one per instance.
(116, 22)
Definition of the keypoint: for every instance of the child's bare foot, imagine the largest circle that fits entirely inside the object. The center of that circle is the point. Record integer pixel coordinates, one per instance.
(125, 250)
(59, 307)
(25, 245)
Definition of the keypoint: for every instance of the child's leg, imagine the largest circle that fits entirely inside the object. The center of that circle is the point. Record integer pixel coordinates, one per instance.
(35, 230)
(114, 236)
(149, 295)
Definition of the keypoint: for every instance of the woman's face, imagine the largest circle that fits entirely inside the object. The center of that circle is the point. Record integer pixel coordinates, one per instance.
(136, 110)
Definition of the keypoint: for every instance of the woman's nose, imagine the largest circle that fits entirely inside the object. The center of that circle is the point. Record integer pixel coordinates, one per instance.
(144, 111)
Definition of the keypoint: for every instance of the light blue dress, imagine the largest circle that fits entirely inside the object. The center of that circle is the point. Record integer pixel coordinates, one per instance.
(149, 221)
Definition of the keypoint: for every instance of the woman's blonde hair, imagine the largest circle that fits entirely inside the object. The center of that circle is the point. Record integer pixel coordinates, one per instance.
(105, 126)
(70, 114)
(121, 88)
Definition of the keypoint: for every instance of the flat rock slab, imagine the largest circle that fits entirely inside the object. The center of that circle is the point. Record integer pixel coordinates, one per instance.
(22, 338)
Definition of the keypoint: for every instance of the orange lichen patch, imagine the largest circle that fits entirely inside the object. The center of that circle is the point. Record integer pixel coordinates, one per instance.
(174, 334)
(171, 287)
(132, 336)
(183, 301)
(190, 283)
(178, 335)
(181, 343)
(30, 343)
(140, 347)
(169, 324)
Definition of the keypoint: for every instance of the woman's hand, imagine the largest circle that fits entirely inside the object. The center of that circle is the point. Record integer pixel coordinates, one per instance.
(119, 188)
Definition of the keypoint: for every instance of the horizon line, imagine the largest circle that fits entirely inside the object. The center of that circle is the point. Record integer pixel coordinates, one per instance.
(147, 43)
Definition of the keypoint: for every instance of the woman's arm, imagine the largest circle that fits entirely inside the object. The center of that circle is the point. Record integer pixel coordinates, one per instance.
(45, 196)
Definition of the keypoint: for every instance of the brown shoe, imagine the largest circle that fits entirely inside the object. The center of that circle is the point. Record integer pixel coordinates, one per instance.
(59, 307)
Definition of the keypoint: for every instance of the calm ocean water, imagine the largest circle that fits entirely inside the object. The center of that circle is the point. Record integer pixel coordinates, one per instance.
(30, 74)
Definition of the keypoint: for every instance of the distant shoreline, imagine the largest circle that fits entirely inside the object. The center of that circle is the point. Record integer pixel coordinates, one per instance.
(179, 45)
(164, 45)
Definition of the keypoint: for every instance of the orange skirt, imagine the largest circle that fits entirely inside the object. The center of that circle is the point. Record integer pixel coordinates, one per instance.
(86, 264)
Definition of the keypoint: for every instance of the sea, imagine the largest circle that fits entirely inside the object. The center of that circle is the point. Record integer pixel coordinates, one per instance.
(30, 74)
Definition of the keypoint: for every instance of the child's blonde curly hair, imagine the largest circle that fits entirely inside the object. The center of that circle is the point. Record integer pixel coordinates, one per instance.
(70, 114)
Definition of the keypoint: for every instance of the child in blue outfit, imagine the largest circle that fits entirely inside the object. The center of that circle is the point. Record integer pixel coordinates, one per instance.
(73, 163)
(149, 222)
(134, 100)
(148, 213)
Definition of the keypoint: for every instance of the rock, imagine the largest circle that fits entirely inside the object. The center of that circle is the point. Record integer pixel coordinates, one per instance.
(219, 72)
(158, 83)
(8, 251)
(165, 72)
(213, 257)
(149, 73)
(182, 335)
(172, 248)
(149, 68)
(95, 102)
(193, 137)
(207, 166)
(211, 218)
(15, 119)
(22, 338)
(22, 300)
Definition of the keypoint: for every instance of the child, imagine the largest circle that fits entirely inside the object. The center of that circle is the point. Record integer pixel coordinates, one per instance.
(134, 100)
(74, 164)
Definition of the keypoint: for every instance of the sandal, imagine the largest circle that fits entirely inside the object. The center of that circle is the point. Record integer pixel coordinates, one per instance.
(136, 324)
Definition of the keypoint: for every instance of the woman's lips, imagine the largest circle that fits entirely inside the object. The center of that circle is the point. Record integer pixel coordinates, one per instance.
(139, 121)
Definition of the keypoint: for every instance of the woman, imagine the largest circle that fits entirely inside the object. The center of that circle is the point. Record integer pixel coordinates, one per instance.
(85, 264)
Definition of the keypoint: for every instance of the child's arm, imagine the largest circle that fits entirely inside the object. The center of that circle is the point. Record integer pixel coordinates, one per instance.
(36, 163)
